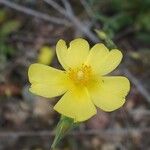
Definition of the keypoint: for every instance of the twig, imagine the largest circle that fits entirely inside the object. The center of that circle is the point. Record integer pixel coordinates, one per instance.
(46, 17)
(75, 21)
(56, 6)
(68, 7)
(120, 132)
(140, 111)
(89, 12)
(34, 13)
(87, 9)
(138, 84)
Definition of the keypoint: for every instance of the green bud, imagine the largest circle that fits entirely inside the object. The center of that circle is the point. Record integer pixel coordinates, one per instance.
(63, 127)
(101, 34)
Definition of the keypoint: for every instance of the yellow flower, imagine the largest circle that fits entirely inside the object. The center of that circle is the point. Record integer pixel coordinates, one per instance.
(46, 55)
(83, 82)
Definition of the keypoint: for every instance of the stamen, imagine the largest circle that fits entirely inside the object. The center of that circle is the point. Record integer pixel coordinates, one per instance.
(80, 75)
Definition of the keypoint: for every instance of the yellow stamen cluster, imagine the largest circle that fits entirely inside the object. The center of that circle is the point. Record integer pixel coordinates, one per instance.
(80, 75)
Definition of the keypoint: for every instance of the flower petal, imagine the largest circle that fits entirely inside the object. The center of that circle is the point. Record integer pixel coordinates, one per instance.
(102, 61)
(47, 81)
(61, 51)
(76, 104)
(75, 55)
(110, 93)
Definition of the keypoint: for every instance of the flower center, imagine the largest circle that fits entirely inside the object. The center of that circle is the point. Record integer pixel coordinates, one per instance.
(81, 75)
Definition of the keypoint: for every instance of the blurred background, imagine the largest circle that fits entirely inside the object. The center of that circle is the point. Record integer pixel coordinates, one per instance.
(29, 30)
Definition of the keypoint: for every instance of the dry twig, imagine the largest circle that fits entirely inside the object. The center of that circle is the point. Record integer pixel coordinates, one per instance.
(87, 8)
(103, 133)
(34, 13)
(75, 21)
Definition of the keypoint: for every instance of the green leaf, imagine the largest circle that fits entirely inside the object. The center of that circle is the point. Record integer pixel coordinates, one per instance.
(5, 49)
(118, 21)
(2, 15)
(9, 27)
(143, 21)
(145, 37)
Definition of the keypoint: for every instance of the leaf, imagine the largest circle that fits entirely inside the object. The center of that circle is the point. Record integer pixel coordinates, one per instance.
(9, 27)
(6, 49)
(2, 15)
(143, 21)
(118, 21)
(145, 37)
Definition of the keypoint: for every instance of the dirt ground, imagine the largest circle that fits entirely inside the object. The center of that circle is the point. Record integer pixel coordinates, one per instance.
(27, 122)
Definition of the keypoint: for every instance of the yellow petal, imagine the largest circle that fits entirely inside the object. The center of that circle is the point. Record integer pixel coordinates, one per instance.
(61, 51)
(102, 61)
(75, 55)
(47, 90)
(97, 53)
(110, 93)
(76, 104)
(47, 81)
(111, 61)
